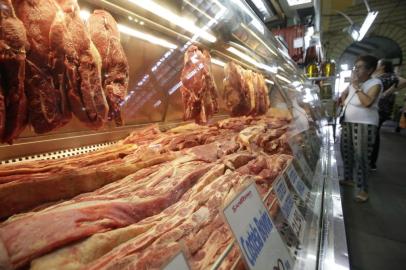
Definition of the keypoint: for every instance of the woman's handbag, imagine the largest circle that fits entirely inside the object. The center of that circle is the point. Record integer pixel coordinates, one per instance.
(341, 110)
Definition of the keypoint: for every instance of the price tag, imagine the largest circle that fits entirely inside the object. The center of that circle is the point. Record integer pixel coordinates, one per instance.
(178, 262)
(255, 233)
(288, 207)
(297, 183)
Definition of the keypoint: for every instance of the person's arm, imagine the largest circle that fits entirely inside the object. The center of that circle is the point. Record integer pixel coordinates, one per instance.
(343, 96)
(368, 98)
(393, 88)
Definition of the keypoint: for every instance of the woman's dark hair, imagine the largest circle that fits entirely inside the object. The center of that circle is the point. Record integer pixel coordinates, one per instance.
(369, 60)
(387, 65)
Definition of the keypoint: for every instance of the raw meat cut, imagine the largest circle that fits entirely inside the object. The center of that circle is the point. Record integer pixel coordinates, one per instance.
(13, 46)
(199, 93)
(80, 254)
(237, 100)
(2, 112)
(47, 110)
(164, 192)
(32, 191)
(115, 70)
(192, 220)
(245, 91)
(72, 221)
(87, 99)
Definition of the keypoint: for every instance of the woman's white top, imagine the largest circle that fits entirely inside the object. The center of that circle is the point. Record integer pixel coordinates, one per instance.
(355, 112)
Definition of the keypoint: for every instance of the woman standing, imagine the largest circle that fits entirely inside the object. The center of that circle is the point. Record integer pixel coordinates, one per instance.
(391, 83)
(360, 102)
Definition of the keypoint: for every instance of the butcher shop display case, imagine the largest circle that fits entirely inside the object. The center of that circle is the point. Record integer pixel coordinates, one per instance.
(138, 134)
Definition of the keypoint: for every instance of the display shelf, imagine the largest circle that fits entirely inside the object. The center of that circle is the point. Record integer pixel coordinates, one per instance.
(333, 252)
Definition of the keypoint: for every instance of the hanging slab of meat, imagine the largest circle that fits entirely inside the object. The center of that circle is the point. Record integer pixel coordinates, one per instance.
(86, 96)
(115, 70)
(48, 109)
(245, 91)
(237, 101)
(13, 45)
(2, 111)
(199, 93)
(73, 220)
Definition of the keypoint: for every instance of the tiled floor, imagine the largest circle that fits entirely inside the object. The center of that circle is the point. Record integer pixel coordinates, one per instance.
(376, 230)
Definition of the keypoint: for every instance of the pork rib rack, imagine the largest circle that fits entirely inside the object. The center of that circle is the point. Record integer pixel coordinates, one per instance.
(13, 101)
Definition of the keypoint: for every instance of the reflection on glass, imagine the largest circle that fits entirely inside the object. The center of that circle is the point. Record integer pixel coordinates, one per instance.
(269, 81)
(167, 14)
(255, 22)
(147, 37)
(280, 77)
(218, 62)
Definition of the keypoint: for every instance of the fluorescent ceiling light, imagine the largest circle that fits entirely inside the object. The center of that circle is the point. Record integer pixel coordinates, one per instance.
(147, 37)
(262, 7)
(272, 69)
(218, 62)
(255, 22)
(298, 2)
(258, 38)
(168, 15)
(367, 24)
(243, 56)
(269, 81)
(283, 78)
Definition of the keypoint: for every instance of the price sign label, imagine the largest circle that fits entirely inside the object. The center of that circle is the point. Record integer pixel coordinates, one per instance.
(297, 183)
(254, 231)
(178, 262)
(289, 210)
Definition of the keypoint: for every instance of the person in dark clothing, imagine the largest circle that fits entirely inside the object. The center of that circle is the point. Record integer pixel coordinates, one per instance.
(391, 83)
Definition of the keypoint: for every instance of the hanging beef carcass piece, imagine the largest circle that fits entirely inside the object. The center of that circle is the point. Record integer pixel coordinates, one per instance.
(198, 89)
(87, 99)
(2, 112)
(115, 70)
(237, 101)
(45, 95)
(13, 45)
(245, 91)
